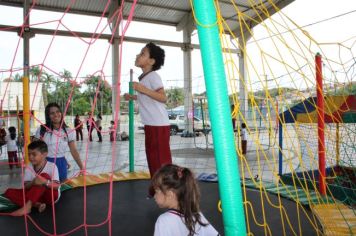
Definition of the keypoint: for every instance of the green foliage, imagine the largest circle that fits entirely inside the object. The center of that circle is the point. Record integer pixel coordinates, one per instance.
(175, 97)
(349, 89)
(274, 92)
(60, 88)
(96, 87)
(81, 106)
(17, 77)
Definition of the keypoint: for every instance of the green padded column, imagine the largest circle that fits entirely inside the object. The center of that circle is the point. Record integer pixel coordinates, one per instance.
(131, 127)
(220, 115)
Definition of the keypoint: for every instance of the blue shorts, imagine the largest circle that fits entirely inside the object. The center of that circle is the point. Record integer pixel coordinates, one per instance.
(61, 164)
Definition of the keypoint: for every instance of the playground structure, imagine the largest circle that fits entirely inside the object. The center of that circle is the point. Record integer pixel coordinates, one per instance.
(299, 124)
(259, 169)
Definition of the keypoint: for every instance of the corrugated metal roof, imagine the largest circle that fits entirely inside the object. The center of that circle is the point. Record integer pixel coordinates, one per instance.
(168, 12)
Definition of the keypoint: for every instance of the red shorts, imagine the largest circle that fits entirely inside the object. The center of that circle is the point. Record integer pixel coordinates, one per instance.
(244, 146)
(35, 193)
(158, 151)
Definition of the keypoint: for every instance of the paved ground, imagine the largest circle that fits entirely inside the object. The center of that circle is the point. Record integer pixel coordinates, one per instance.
(105, 157)
(196, 153)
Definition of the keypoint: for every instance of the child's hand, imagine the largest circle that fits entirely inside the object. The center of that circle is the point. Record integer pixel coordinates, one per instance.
(39, 180)
(138, 87)
(82, 172)
(127, 96)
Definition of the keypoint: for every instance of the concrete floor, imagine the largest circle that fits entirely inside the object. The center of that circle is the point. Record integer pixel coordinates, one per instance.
(195, 153)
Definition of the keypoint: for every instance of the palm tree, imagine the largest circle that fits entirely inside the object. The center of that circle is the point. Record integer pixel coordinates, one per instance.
(63, 88)
(17, 77)
(47, 80)
(35, 73)
(38, 74)
(104, 95)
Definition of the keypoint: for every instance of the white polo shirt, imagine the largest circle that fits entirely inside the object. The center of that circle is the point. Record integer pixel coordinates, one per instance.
(50, 169)
(152, 112)
(11, 143)
(57, 141)
(243, 134)
(172, 223)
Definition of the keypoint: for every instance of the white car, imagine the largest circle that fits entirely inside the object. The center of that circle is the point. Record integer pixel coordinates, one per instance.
(177, 123)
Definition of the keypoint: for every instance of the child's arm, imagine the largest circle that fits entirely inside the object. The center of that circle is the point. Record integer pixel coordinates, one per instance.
(52, 184)
(158, 95)
(45, 182)
(73, 150)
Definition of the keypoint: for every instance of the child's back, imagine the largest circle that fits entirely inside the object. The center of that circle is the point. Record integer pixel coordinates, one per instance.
(11, 144)
(177, 227)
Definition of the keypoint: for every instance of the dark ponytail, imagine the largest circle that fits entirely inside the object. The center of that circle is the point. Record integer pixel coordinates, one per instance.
(181, 181)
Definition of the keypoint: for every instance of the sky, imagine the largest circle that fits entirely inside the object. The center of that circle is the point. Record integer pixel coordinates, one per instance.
(70, 53)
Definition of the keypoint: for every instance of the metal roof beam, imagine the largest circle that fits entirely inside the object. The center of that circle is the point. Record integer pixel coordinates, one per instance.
(159, 22)
(186, 19)
(52, 9)
(261, 17)
(158, 7)
(86, 13)
(91, 13)
(17, 29)
(237, 4)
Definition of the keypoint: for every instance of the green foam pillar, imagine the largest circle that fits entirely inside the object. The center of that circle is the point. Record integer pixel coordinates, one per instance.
(220, 115)
(131, 127)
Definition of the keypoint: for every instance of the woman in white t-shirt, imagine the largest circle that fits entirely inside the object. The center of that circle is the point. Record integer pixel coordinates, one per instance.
(176, 189)
(12, 148)
(58, 138)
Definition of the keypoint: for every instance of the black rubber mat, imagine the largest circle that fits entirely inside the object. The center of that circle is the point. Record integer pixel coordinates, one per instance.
(133, 214)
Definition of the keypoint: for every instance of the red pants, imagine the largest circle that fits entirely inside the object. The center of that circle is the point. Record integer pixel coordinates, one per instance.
(158, 151)
(244, 146)
(112, 135)
(35, 193)
(12, 156)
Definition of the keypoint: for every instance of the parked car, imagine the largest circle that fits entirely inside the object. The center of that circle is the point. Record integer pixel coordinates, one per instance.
(177, 123)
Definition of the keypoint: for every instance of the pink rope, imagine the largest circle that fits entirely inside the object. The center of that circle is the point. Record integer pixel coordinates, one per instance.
(118, 17)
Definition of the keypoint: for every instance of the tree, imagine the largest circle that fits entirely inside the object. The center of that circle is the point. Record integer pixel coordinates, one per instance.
(35, 73)
(81, 106)
(47, 80)
(103, 96)
(175, 97)
(17, 77)
(63, 89)
(60, 88)
(348, 89)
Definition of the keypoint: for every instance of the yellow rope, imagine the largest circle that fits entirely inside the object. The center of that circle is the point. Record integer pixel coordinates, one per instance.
(294, 52)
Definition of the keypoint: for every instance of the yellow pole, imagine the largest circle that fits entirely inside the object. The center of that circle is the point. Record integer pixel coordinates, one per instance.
(337, 144)
(26, 116)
